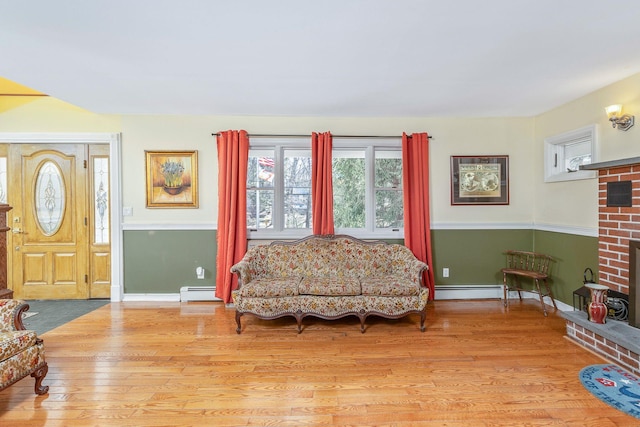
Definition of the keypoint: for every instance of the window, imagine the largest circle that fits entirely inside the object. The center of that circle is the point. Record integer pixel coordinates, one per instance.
(565, 153)
(279, 189)
(367, 188)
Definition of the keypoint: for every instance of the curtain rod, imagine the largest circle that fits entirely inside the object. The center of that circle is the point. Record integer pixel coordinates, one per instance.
(264, 135)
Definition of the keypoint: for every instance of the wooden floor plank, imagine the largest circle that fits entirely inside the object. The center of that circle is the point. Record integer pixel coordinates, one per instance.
(182, 364)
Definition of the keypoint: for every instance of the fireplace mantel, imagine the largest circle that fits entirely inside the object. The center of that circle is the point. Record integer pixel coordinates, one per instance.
(611, 164)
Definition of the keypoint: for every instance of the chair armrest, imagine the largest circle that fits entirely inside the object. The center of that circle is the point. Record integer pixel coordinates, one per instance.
(11, 311)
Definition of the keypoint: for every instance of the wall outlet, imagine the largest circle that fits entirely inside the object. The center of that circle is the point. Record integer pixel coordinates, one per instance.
(200, 273)
(445, 272)
(127, 211)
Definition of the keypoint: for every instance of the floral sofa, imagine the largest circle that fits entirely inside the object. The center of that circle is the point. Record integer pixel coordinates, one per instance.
(21, 351)
(330, 277)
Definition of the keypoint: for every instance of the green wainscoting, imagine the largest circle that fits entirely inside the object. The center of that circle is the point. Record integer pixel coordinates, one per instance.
(475, 257)
(572, 254)
(162, 261)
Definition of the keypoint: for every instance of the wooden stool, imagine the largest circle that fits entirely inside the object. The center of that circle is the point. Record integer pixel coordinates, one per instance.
(530, 265)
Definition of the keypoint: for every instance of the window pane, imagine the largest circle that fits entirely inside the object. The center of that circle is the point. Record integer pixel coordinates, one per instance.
(297, 210)
(577, 154)
(50, 198)
(389, 209)
(297, 189)
(349, 190)
(388, 169)
(101, 199)
(3, 180)
(261, 169)
(259, 209)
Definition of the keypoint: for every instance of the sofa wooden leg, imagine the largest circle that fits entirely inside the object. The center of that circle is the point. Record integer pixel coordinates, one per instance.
(423, 317)
(39, 376)
(239, 328)
(299, 316)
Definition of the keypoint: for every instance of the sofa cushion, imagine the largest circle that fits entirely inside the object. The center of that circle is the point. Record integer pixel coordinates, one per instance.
(330, 286)
(14, 342)
(390, 286)
(271, 287)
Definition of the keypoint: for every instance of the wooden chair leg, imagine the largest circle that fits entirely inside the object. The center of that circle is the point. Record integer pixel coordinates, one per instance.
(505, 288)
(518, 286)
(541, 296)
(550, 294)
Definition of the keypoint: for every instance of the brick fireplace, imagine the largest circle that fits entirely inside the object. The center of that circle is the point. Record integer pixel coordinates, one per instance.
(618, 224)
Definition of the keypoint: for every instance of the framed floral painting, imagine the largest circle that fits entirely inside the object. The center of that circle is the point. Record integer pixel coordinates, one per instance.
(172, 179)
(479, 180)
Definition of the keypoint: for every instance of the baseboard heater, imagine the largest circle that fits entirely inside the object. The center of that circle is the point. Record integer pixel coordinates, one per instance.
(468, 291)
(198, 293)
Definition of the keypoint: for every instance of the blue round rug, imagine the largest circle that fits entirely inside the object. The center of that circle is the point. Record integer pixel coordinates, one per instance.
(614, 386)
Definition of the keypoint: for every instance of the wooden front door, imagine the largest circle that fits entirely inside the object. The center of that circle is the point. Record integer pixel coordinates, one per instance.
(53, 224)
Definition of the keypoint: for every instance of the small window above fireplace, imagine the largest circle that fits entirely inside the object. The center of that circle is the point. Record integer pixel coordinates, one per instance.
(565, 153)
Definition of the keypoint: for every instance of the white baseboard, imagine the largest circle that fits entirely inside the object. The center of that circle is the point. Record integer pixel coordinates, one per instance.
(468, 292)
(444, 292)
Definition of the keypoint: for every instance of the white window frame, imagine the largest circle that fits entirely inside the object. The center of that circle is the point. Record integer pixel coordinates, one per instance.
(554, 154)
(278, 145)
(369, 146)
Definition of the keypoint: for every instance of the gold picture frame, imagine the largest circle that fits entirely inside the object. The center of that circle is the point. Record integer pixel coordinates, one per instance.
(172, 179)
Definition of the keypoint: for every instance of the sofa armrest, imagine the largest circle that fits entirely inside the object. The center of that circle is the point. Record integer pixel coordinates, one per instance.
(11, 311)
(243, 270)
(414, 270)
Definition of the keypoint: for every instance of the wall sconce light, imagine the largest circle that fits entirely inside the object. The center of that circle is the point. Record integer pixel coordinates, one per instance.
(617, 119)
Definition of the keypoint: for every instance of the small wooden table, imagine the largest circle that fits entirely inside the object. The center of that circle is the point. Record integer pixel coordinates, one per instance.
(530, 265)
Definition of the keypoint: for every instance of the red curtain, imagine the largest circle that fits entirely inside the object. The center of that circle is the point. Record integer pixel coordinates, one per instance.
(415, 188)
(233, 157)
(322, 183)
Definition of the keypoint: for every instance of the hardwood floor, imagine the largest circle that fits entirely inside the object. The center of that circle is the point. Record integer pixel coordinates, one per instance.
(172, 364)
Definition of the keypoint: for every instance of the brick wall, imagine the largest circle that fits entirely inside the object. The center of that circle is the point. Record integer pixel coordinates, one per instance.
(606, 348)
(617, 225)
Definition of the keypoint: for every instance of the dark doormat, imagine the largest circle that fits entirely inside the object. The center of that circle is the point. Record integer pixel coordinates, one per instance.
(53, 313)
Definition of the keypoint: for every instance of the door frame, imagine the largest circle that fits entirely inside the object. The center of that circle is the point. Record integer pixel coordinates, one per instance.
(115, 162)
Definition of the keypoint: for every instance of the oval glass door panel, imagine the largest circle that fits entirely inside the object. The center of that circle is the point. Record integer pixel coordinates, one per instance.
(49, 198)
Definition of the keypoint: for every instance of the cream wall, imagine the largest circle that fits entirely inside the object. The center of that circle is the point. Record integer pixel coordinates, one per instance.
(572, 205)
(497, 136)
(52, 115)
(452, 136)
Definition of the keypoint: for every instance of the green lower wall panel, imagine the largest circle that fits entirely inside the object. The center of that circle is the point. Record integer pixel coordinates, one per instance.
(572, 254)
(162, 261)
(475, 257)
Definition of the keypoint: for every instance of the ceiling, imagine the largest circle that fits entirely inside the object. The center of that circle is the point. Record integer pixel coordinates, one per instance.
(343, 58)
